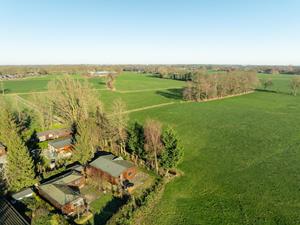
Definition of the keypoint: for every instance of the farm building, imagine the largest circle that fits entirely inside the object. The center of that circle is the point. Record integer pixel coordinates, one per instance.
(53, 134)
(64, 193)
(111, 168)
(61, 148)
(9, 215)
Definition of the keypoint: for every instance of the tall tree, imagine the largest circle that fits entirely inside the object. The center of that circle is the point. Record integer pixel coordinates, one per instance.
(136, 140)
(295, 85)
(110, 82)
(173, 152)
(85, 141)
(72, 99)
(104, 129)
(153, 144)
(19, 168)
(119, 120)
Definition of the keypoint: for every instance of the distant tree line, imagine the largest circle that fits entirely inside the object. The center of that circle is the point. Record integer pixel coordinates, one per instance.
(38, 70)
(204, 86)
(176, 71)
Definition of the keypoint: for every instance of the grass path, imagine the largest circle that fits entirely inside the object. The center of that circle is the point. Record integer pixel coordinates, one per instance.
(149, 107)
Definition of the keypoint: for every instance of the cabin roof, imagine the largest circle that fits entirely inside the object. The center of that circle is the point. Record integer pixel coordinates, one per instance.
(111, 164)
(54, 131)
(9, 215)
(61, 143)
(59, 190)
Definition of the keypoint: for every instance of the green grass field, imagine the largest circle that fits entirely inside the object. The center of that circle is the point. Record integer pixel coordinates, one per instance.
(242, 154)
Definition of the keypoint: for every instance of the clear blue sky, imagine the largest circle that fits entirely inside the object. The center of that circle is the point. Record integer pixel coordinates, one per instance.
(152, 31)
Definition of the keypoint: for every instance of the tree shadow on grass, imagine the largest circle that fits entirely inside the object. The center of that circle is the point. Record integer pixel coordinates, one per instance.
(108, 211)
(174, 93)
(272, 91)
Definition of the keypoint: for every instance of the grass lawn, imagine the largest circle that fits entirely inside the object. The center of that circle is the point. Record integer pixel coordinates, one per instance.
(241, 163)
(104, 207)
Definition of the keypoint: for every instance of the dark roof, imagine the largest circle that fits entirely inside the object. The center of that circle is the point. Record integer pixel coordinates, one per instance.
(55, 131)
(61, 143)
(111, 164)
(9, 215)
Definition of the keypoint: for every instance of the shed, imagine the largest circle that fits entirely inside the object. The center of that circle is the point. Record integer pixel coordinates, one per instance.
(111, 168)
(61, 146)
(64, 192)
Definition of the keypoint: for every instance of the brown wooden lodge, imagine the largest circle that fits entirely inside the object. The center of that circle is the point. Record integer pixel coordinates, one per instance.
(64, 193)
(112, 169)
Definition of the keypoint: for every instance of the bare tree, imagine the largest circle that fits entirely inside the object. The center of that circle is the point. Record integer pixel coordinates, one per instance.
(295, 85)
(44, 112)
(267, 83)
(2, 87)
(119, 120)
(72, 99)
(153, 143)
(110, 82)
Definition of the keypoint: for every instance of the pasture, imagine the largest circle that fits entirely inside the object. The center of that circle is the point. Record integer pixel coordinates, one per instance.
(242, 154)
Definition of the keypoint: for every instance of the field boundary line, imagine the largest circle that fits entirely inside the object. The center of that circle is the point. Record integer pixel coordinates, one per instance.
(148, 107)
(145, 90)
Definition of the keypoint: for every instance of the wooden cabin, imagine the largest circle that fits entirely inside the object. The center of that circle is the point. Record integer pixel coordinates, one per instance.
(111, 168)
(62, 147)
(53, 134)
(64, 193)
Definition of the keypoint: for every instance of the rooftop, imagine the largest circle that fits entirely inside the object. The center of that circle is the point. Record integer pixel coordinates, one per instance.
(62, 130)
(9, 215)
(111, 164)
(23, 194)
(61, 143)
(59, 190)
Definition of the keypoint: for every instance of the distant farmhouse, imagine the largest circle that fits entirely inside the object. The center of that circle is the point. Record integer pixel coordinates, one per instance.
(64, 192)
(53, 134)
(112, 169)
(101, 73)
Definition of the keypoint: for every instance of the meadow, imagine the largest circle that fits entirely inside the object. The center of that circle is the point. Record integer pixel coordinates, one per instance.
(242, 154)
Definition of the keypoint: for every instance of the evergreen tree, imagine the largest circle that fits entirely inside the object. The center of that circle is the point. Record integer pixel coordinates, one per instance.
(19, 168)
(135, 143)
(173, 152)
(85, 141)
